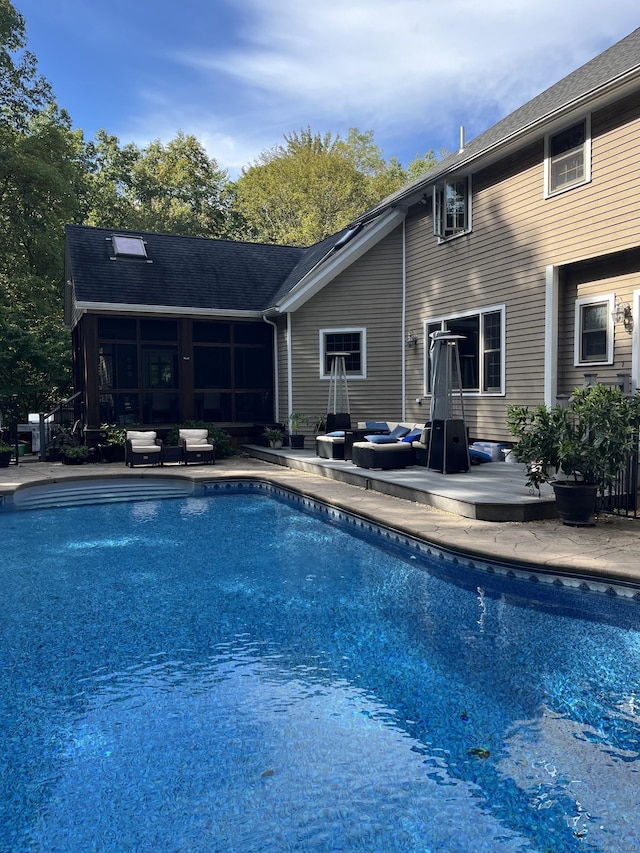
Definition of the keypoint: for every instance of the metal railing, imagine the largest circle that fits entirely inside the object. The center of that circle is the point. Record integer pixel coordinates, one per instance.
(622, 498)
(67, 417)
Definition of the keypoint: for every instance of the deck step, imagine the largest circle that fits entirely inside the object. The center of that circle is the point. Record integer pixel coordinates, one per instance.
(84, 492)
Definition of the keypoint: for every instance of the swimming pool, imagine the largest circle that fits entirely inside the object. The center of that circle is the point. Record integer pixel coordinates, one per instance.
(233, 673)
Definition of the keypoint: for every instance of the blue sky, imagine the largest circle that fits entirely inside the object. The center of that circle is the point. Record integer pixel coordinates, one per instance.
(239, 74)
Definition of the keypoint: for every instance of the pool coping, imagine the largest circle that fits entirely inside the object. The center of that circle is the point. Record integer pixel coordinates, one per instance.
(608, 552)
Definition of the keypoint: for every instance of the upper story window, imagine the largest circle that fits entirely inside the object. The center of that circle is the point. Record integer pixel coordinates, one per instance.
(568, 158)
(593, 342)
(351, 341)
(451, 208)
(481, 350)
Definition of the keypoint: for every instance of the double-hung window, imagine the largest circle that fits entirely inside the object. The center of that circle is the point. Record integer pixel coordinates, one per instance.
(568, 158)
(593, 342)
(481, 349)
(351, 341)
(451, 208)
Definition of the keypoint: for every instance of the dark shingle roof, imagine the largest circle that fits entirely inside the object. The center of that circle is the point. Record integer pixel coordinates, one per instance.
(606, 68)
(185, 272)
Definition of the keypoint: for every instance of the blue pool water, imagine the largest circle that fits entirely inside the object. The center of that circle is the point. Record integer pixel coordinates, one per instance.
(232, 674)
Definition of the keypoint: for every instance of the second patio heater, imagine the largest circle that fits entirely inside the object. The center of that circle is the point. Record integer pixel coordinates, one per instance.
(449, 447)
(338, 409)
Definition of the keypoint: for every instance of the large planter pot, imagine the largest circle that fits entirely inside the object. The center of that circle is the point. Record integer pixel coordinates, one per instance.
(5, 458)
(297, 442)
(68, 460)
(112, 452)
(576, 503)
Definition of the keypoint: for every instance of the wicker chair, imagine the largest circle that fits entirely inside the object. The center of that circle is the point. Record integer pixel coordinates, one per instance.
(196, 446)
(142, 448)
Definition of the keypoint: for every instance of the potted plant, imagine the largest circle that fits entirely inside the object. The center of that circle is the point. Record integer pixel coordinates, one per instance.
(74, 454)
(579, 448)
(318, 423)
(6, 452)
(274, 436)
(296, 439)
(112, 446)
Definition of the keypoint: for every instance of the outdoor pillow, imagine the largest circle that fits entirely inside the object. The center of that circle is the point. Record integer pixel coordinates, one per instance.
(376, 425)
(338, 433)
(399, 432)
(414, 435)
(381, 439)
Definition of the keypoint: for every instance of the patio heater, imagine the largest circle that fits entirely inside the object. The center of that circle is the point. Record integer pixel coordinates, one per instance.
(338, 409)
(449, 447)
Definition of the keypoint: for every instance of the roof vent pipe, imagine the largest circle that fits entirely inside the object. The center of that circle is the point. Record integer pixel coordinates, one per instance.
(462, 141)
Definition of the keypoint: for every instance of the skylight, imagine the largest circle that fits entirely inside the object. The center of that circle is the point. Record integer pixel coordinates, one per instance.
(132, 247)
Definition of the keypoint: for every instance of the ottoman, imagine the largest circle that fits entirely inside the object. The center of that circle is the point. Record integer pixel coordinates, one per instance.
(365, 454)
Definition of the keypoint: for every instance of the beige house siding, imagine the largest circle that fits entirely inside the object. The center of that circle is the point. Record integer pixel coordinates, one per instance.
(517, 233)
(617, 275)
(367, 295)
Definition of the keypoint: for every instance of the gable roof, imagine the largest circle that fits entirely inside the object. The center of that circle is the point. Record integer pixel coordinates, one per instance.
(601, 77)
(198, 275)
(181, 273)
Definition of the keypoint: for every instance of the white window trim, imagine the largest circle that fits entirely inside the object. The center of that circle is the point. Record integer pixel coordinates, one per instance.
(548, 193)
(479, 312)
(344, 330)
(469, 227)
(577, 335)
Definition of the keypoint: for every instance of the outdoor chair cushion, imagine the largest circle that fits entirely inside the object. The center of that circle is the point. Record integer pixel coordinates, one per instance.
(195, 439)
(399, 431)
(380, 439)
(142, 441)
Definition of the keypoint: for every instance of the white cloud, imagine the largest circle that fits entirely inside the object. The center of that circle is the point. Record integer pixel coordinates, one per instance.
(414, 67)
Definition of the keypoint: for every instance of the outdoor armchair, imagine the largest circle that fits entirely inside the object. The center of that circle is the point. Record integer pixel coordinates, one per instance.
(142, 448)
(196, 446)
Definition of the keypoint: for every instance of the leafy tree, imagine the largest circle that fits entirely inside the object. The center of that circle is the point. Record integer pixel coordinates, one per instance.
(313, 185)
(419, 165)
(22, 91)
(42, 170)
(175, 188)
(110, 194)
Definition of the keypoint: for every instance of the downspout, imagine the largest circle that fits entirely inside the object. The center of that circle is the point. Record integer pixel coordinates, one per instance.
(276, 372)
(404, 324)
(289, 366)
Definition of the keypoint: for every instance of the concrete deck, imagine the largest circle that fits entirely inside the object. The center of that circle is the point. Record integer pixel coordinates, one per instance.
(413, 501)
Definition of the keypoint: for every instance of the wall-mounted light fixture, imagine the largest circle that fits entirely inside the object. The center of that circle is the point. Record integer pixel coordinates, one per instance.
(412, 340)
(622, 314)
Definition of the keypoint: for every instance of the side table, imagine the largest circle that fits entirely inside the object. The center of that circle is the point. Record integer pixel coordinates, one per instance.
(169, 453)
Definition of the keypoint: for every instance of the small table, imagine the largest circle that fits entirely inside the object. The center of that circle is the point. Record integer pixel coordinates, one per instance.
(170, 453)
